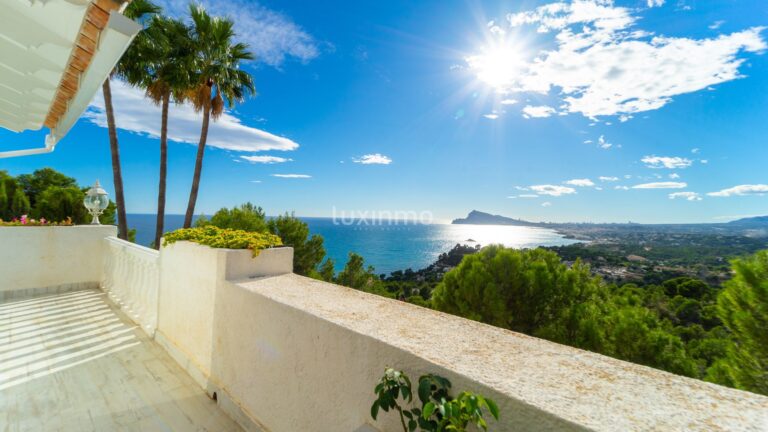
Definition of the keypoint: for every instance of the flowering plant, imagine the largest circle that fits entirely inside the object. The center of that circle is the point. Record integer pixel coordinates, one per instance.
(25, 220)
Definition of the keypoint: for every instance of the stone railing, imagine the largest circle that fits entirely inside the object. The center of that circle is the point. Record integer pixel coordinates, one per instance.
(132, 280)
(282, 352)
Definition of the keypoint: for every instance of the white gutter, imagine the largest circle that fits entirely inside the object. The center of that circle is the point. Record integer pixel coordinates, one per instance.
(114, 40)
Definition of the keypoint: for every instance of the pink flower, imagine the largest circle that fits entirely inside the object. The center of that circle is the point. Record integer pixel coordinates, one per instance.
(23, 219)
(42, 221)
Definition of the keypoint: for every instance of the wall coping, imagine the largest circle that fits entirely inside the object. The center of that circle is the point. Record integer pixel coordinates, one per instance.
(585, 389)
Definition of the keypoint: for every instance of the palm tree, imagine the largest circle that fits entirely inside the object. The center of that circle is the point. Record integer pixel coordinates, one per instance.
(161, 64)
(218, 78)
(136, 10)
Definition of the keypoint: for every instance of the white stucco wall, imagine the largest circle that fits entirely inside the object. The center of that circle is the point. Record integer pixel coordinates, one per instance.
(190, 276)
(300, 354)
(45, 257)
(290, 353)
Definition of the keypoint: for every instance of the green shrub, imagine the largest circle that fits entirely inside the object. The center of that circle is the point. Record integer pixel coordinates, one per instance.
(224, 238)
(439, 411)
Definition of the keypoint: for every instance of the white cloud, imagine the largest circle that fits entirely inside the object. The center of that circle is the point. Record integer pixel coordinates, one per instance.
(621, 187)
(255, 181)
(537, 111)
(603, 144)
(704, 161)
(373, 159)
(135, 113)
(666, 162)
(553, 190)
(674, 176)
(580, 182)
(603, 64)
(695, 150)
(265, 159)
(508, 102)
(740, 190)
(293, 176)
(608, 179)
(270, 35)
(526, 196)
(491, 116)
(716, 25)
(546, 204)
(522, 188)
(690, 196)
(661, 185)
(655, 3)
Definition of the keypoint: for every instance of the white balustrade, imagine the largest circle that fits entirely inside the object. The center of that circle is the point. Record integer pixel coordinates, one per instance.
(132, 279)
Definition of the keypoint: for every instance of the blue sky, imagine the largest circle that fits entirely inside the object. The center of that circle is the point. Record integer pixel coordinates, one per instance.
(641, 110)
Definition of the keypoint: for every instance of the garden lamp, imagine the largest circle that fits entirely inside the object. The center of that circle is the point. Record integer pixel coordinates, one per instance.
(96, 201)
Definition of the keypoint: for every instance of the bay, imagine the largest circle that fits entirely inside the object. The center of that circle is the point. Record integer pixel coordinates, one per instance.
(389, 246)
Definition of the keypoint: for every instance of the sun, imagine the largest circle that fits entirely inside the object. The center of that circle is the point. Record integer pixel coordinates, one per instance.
(497, 65)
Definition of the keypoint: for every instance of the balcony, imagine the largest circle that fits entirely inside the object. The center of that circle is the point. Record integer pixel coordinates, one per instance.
(102, 334)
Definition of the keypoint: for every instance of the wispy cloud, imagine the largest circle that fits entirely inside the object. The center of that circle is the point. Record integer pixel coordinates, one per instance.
(265, 159)
(508, 102)
(525, 196)
(604, 65)
(537, 111)
(553, 190)
(661, 185)
(674, 176)
(292, 176)
(690, 196)
(134, 113)
(603, 143)
(580, 182)
(608, 179)
(740, 190)
(716, 25)
(546, 204)
(491, 116)
(272, 36)
(655, 3)
(373, 159)
(666, 162)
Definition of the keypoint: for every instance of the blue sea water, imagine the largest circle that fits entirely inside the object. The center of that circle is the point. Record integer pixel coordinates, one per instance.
(389, 247)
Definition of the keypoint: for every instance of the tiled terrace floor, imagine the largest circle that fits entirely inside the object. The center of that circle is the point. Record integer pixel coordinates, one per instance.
(71, 362)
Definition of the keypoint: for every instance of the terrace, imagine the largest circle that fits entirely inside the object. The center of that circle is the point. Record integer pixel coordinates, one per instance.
(102, 334)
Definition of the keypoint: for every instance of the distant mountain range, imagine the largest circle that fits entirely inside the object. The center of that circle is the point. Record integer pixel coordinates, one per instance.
(752, 226)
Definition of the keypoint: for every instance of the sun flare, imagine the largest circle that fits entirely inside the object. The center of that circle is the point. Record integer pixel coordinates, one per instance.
(497, 65)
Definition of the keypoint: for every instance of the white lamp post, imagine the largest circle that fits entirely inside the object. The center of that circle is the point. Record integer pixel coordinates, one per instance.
(96, 201)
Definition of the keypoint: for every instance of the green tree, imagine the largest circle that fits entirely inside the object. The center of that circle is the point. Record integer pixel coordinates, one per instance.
(137, 10)
(34, 184)
(326, 271)
(246, 217)
(522, 290)
(356, 275)
(58, 203)
(20, 203)
(308, 251)
(743, 307)
(217, 79)
(4, 201)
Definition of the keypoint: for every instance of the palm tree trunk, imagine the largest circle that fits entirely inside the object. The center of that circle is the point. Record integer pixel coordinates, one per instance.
(163, 171)
(117, 173)
(198, 169)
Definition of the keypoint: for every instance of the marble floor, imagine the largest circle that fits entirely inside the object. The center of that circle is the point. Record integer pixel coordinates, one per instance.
(71, 362)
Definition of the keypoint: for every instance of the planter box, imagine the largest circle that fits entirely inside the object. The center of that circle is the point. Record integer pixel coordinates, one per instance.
(190, 276)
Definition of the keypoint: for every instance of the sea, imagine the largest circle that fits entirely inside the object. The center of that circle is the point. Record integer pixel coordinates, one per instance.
(389, 246)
